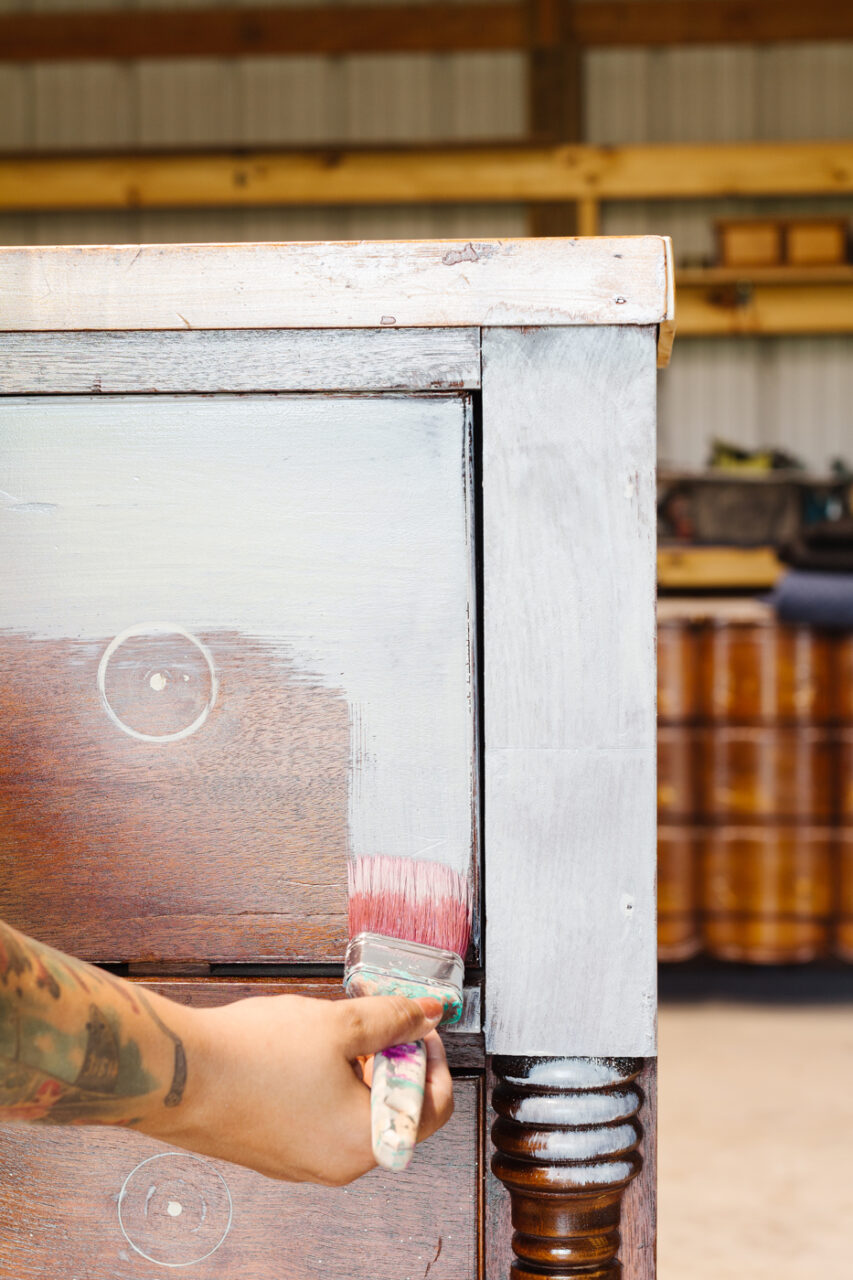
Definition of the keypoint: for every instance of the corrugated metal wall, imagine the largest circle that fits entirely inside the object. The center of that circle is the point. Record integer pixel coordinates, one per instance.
(257, 101)
(794, 392)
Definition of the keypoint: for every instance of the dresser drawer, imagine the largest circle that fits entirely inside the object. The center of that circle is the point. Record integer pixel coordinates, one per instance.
(117, 1202)
(102, 1203)
(234, 649)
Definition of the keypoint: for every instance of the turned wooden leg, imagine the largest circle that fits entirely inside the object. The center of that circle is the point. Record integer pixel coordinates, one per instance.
(566, 1146)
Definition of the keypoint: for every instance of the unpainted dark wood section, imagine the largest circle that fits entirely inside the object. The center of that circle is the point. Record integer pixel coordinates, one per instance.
(228, 845)
(567, 1138)
(465, 1050)
(82, 1202)
(638, 1224)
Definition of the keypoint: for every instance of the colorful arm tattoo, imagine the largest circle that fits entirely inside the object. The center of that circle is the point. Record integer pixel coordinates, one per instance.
(77, 1045)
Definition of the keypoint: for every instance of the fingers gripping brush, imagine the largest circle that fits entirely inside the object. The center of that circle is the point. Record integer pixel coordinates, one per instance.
(409, 924)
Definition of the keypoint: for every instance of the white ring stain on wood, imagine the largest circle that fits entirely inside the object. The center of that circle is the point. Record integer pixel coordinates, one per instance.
(174, 1208)
(157, 682)
(335, 528)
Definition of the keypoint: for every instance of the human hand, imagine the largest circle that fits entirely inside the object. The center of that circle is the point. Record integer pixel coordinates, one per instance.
(280, 1083)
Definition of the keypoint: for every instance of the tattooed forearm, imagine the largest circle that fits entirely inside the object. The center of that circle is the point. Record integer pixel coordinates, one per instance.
(77, 1045)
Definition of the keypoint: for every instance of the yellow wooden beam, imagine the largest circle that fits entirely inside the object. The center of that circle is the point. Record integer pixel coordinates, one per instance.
(801, 306)
(683, 568)
(430, 175)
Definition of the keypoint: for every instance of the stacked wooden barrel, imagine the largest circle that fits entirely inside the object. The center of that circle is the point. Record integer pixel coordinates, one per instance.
(748, 786)
(679, 838)
(844, 931)
(766, 790)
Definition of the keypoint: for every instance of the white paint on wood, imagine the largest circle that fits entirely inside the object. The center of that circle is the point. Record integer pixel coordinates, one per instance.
(569, 580)
(336, 528)
(616, 281)
(567, 832)
(569, 537)
(241, 360)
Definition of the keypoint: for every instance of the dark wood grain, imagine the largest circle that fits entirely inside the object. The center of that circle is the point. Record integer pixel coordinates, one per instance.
(465, 1049)
(228, 845)
(61, 1191)
(566, 1139)
(768, 893)
(638, 1226)
(637, 1251)
(497, 1214)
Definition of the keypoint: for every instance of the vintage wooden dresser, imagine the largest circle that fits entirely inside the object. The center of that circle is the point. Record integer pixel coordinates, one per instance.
(312, 550)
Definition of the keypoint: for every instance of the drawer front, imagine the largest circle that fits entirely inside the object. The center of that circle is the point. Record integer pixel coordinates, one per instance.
(104, 1203)
(234, 650)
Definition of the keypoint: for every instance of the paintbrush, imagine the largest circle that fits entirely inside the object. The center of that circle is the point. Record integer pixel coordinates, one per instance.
(409, 923)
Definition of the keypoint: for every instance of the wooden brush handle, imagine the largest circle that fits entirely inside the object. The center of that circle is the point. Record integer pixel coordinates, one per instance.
(396, 1101)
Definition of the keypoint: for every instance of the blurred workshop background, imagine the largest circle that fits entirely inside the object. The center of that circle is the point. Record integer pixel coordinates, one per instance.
(727, 124)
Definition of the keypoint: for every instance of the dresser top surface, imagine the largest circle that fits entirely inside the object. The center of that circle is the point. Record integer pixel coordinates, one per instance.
(624, 280)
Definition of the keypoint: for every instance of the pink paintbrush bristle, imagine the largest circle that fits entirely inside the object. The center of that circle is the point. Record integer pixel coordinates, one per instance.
(424, 902)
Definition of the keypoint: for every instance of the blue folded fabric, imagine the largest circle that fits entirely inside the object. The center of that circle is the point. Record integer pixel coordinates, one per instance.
(820, 599)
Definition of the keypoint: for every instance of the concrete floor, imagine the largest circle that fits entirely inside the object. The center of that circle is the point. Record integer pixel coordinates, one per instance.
(756, 1142)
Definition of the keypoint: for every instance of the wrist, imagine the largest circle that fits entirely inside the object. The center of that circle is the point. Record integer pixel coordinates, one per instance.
(177, 1111)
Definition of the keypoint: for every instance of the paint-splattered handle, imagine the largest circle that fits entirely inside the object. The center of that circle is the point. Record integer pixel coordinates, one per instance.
(396, 1101)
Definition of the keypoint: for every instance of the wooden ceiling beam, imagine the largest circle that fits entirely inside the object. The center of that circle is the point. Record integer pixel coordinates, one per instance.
(671, 22)
(417, 28)
(762, 308)
(555, 102)
(199, 33)
(432, 175)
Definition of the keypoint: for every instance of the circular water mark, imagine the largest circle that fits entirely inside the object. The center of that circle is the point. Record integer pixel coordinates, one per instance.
(157, 682)
(175, 1209)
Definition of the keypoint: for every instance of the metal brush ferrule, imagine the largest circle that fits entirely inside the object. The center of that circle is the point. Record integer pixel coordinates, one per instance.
(380, 966)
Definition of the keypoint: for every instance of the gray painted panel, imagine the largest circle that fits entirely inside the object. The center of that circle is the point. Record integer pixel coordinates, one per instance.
(337, 530)
(569, 568)
(242, 360)
(569, 536)
(570, 902)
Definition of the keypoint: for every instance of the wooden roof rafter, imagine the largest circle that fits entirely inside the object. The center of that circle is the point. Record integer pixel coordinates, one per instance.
(421, 27)
(492, 174)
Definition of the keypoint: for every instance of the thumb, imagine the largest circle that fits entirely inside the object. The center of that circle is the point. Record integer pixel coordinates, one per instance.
(371, 1023)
